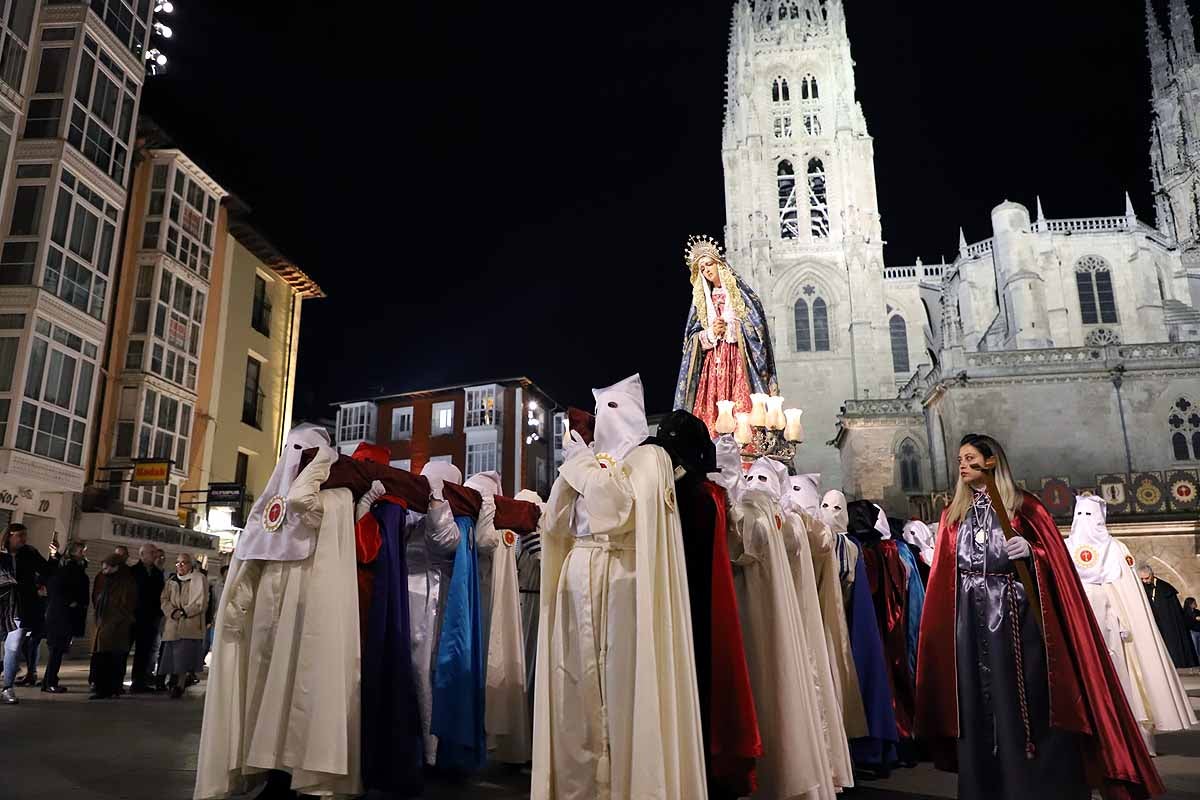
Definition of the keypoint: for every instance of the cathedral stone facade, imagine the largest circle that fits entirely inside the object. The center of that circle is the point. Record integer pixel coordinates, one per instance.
(1075, 341)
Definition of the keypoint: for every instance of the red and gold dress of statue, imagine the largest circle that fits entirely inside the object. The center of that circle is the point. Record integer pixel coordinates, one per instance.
(723, 376)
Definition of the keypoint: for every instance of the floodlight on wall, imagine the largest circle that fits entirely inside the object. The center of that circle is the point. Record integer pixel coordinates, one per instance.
(156, 61)
(163, 31)
(163, 7)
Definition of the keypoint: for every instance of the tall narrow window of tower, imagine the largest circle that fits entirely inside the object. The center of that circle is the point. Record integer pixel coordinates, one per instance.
(910, 466)
(781, 108)
(812, 325)
(1093, 279)
(789, 214)
(899, 332)
(810, 105)
(1184, 424)
(817, 202)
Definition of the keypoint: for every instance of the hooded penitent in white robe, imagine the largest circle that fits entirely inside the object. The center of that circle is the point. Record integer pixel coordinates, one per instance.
(1152, 686)
(616, 713)
(796, 761)
(529, 579)
(506, 717)
(284, 681)
(835, 515)
(803, 500)
(920, 535)
(430, 544)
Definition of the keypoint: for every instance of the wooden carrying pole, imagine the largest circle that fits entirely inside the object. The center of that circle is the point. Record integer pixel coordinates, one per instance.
(1031, 595)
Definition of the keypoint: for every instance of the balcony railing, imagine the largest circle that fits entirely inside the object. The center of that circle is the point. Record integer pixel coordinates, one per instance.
(252, 408)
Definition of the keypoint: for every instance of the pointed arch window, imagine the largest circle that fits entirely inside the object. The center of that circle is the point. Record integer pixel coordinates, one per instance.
(779, 90)
(789, 213)
(818, 204)
(812, 323)
(909, 458)
(808, 88)
(1183, 423)
(1093, 279)
(899, 334)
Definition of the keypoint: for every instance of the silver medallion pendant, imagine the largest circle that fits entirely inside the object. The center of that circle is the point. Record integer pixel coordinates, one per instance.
(980, 536)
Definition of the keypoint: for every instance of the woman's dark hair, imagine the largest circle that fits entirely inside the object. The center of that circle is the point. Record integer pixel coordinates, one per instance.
(13, 527)
(1189, 603)
(980, 442)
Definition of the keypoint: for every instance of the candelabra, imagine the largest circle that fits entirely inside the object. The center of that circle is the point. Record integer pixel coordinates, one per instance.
(768, 430)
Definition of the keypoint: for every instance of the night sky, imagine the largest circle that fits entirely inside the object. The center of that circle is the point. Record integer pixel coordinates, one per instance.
(488, 190)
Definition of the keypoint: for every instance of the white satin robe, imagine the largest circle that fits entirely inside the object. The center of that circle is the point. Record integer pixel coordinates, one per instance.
(616, 715)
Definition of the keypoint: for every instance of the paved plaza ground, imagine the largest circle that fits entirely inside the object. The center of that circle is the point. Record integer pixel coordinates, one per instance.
(141, 747)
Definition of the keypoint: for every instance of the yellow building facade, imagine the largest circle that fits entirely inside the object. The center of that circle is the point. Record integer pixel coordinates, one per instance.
(254, 373)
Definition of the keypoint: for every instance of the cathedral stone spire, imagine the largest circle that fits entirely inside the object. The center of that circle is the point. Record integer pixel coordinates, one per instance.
(962, 242)
(1160, 57)
(1183, 36)
(1129, 213)
(1041, 217)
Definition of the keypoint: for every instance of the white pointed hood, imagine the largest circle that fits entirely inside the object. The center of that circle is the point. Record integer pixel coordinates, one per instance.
(275, 531)
(620, 418)
(1090, 543)
(921, 536)
(881, 524)
(487, 483)
(768, 476)
(833, 511)
(530, 496)
(439, 473)
(802, 494)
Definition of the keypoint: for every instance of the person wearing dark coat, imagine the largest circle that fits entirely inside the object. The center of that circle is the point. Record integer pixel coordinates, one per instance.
(1168, 614)
(66, 611)
(147, 618)
(33, 571)
(115, 607)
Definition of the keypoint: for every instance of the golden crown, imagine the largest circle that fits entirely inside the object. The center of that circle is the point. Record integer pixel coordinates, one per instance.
(700, 246)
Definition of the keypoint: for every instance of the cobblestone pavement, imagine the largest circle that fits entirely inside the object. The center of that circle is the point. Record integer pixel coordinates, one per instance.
(65, 747)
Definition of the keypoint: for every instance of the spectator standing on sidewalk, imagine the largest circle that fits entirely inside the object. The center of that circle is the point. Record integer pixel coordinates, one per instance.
(183, 603)
(32, 573)
(148, 617)
(10, 620)
(115, 607)
(66, 611)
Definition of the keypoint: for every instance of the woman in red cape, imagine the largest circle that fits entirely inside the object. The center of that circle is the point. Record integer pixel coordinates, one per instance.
(1020, 710)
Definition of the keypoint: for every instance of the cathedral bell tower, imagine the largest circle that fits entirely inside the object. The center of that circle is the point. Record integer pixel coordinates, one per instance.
(1174, 133)
(802, 216)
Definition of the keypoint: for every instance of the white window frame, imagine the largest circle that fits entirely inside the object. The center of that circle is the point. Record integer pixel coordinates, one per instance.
(400, 416)
(439, 414)
(440, 460)
(356, 422)
(35, 408)
(482, 457)
(481, 409)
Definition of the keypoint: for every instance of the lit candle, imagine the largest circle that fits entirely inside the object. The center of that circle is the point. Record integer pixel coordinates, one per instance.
(794, 432)
(743, 434)
(725, 422)
(775, 419)
(758, 414)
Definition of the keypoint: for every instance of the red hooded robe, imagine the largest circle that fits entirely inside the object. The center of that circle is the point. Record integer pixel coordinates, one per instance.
(1085, 695)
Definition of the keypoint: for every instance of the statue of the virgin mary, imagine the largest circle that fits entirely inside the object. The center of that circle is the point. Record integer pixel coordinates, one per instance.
(727, 351)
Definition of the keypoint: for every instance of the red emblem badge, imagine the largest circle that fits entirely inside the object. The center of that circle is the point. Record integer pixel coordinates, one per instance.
(274, 512)
(1129, 560)
(509, 539)
(779, 522)
(1086, 556)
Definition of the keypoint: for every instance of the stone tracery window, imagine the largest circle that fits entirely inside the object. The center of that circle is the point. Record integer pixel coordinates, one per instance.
(1093, 279)
(1183, 422)
(789, 213)
(779, 90)
(808, 87)
(812, 323)
(781, 109)
(818, 203)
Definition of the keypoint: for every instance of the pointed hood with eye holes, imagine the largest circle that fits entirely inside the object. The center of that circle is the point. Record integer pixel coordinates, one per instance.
(278, 529)
(620, 418)
(1091, 545)
(833, 511)
(487, 483)
(768, 476)
(801, 494)
(920, 535)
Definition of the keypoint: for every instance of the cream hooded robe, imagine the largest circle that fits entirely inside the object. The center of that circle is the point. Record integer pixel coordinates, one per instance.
(1152, 686)
(802, 498)
(284, 681)
(796, 761)
(616, 714)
